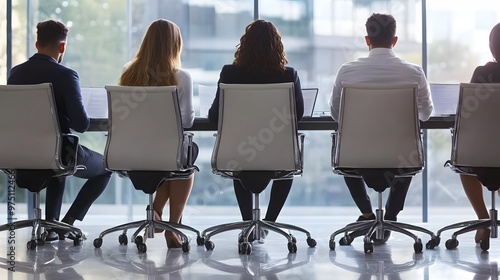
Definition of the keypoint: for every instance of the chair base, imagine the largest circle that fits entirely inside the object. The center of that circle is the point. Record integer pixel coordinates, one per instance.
(39, 226)
(145, 229)
(38, 231)
(468, 226)
(375, 232)
(253, 229)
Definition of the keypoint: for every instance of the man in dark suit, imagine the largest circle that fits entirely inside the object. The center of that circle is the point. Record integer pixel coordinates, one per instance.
(44, 67)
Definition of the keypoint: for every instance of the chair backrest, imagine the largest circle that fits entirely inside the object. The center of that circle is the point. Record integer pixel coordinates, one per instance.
(145, 131)
(31, 137)
(257, 128)
(378, 127)
(477, 130)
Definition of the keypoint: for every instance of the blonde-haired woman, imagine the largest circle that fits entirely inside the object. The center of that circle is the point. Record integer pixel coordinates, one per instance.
(158, 63)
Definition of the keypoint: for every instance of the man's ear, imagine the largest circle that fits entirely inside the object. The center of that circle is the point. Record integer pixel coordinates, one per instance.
(367, 40)
(62, 47)
(394, 41)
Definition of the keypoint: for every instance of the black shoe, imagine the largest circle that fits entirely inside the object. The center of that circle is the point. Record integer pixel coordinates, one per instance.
(251, 238)
(387, 234)
(51, 236)
(361, 232)
(362, 218)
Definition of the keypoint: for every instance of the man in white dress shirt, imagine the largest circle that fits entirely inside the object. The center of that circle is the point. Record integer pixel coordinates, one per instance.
(381, 66)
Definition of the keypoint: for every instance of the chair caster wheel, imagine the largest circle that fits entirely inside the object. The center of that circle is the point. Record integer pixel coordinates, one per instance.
(186, 247)
(138, 240)
(346, 240)
(292, 247)
(141, 247)
(77, 240)
(417, 247)
(122, 239)
(31, 245)
(98, 242)
(311, 242)
(209, 245)
(331, 244)
(368, 248)
(245, 248)
(451, 244)
(432, 243)
(200, 240)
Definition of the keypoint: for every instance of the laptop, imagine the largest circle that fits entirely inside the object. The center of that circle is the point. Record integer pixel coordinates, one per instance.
(310, 95)
(95, 101)
(207, 95)
(445, 99)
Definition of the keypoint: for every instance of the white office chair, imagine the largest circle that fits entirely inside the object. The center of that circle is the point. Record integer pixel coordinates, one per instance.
(266, 114)
(476, 150)
(146, 141)
(32, 150)
(378, 139)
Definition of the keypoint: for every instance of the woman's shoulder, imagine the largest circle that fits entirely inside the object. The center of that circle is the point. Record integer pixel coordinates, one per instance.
(183, 73)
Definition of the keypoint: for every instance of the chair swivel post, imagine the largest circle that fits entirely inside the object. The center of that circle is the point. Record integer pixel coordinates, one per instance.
(379, 213)
(493, 217)
(150, 216)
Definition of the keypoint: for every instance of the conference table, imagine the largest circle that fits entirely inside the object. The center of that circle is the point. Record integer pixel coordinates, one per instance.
(321, 122)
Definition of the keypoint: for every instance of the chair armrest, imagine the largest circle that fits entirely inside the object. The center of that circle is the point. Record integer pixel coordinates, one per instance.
(69, 153)
(188, 140)
(301, 136)
(334, 142)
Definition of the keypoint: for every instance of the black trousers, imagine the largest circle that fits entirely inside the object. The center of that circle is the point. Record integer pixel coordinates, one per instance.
(395, 200)
(98, 178)
(279, 193)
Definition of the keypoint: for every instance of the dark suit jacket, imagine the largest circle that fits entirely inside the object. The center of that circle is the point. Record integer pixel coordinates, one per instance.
(489, 73)
(231, 74)
(66, 84)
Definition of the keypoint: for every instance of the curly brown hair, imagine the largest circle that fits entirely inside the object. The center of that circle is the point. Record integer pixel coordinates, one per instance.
(260, 50)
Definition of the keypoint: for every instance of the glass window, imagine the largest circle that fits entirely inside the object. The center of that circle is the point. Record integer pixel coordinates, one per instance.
(3, 44)
(319, 36)
(455, 48)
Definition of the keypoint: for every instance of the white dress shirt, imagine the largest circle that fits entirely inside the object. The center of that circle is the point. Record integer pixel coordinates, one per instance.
(382, 66)
(185, 94)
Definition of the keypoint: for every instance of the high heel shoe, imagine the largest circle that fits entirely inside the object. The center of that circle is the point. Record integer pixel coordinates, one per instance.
(482, 234)
(173, 240)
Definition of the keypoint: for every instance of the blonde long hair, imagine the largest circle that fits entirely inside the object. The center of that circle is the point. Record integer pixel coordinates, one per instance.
(158, 58)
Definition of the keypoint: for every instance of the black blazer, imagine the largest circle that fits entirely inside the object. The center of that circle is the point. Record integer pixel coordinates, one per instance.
(66, 84)
(489, 73)
(231, 74)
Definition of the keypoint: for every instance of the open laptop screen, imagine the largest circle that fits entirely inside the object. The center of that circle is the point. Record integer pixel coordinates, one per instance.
(207, 95)
(310, 95)
(445, 99)
(95, 100)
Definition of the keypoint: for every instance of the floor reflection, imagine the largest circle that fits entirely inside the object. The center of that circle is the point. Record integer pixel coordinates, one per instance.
(258, 264)
(480, 266)
(51, 260)
(381, 266)
(128, 260)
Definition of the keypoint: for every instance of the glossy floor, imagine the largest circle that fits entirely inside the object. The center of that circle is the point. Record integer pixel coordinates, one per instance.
(394, 260)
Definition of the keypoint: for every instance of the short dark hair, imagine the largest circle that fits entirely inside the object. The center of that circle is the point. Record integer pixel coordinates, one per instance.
(51, 33)
(495, 41)
(381, 29)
